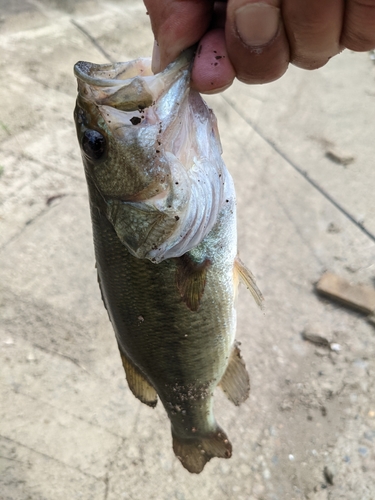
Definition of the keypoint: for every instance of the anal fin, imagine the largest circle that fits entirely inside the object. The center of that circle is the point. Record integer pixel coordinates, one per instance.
(191, 280)
(194, 453)
(235, 382)
(139, 386)
(249, 281)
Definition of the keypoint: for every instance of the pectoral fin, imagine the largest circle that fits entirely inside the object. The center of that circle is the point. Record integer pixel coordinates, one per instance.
(191, 280)
(235, 382)
(139, 386)
(138, 226)
(249, 281)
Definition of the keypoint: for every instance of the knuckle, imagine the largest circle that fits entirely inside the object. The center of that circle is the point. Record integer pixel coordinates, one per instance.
(309, 63)
(359, 28)
(358, 41)
(263, 75)
(364, 3)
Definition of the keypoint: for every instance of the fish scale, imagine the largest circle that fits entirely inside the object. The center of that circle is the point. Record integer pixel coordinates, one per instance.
(151, 293)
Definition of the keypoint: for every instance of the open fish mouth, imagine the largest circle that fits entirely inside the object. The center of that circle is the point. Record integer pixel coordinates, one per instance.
(128, 86)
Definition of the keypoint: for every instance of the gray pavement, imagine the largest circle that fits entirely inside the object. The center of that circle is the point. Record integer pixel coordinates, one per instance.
(69, 426)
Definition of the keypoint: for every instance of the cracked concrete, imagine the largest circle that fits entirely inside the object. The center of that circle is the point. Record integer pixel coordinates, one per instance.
(70, 427)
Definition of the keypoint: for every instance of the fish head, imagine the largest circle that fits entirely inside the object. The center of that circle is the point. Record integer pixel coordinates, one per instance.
(122, 115)
(152, 155)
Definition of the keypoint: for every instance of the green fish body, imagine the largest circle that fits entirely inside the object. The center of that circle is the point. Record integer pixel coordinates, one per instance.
(163, 212)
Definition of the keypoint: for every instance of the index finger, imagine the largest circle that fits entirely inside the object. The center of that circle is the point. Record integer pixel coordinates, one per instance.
(178, 24)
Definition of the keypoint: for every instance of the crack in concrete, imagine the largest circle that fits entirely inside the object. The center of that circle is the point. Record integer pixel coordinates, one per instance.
(23, 229)
(109, 467)
(53, 168)
(27, 223)
(301, 172)
(78, 417)
(13, 460)
(49, 206)
(93, 40)
(106, 482)
(49, 457)
(296, 227)
(57, 353)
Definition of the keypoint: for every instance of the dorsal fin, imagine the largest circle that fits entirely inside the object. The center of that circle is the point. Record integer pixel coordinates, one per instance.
(191, 280)
(248, 280)
(235, 382)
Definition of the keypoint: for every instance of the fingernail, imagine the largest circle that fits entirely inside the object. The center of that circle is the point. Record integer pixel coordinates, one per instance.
(217, 91)
(155, 61)
(257, 23)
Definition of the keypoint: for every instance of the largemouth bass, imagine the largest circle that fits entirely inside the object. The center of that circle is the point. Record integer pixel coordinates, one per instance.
(163, 213)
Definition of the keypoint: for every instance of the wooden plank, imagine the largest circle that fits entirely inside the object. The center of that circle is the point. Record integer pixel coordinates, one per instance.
(359, 297)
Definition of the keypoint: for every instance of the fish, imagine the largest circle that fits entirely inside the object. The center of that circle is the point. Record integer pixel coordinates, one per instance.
(163, 211)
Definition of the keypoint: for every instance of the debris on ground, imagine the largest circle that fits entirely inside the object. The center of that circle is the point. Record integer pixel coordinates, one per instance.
(319, 340)
(358, 297)
(328, 475)
(341, 157)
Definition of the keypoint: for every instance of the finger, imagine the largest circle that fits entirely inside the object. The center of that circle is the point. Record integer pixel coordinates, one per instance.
(219, 14)
(359, 25)
(314, 30)
(212, 71)
(177, 25)
(256, 41)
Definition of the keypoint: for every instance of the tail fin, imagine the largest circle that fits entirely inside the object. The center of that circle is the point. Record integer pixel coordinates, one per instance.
(194, 453)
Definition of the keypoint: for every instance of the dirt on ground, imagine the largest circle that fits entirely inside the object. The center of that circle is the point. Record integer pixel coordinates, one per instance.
(301, 151)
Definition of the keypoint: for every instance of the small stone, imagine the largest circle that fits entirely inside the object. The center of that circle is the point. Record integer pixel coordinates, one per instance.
(258, 490)
(266, 474)
(370, 435)
(273, 431)
(319, 495)
(333, 228)
(371, 318)
(335, 347)
(363, 450)
(286, 405)
(340, 157)
(328, 475)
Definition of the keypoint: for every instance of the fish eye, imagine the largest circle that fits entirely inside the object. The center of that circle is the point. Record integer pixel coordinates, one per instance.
(93, 144)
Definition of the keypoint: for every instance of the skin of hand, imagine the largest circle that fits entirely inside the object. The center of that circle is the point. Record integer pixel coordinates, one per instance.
(255, 41)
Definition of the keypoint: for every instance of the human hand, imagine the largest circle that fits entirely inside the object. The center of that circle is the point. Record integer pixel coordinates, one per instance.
(255, 41)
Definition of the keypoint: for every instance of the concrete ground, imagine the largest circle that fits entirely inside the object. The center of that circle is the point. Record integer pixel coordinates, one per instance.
(69, 426)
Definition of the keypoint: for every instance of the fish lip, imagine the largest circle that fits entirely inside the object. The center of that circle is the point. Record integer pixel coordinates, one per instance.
(87, 72)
